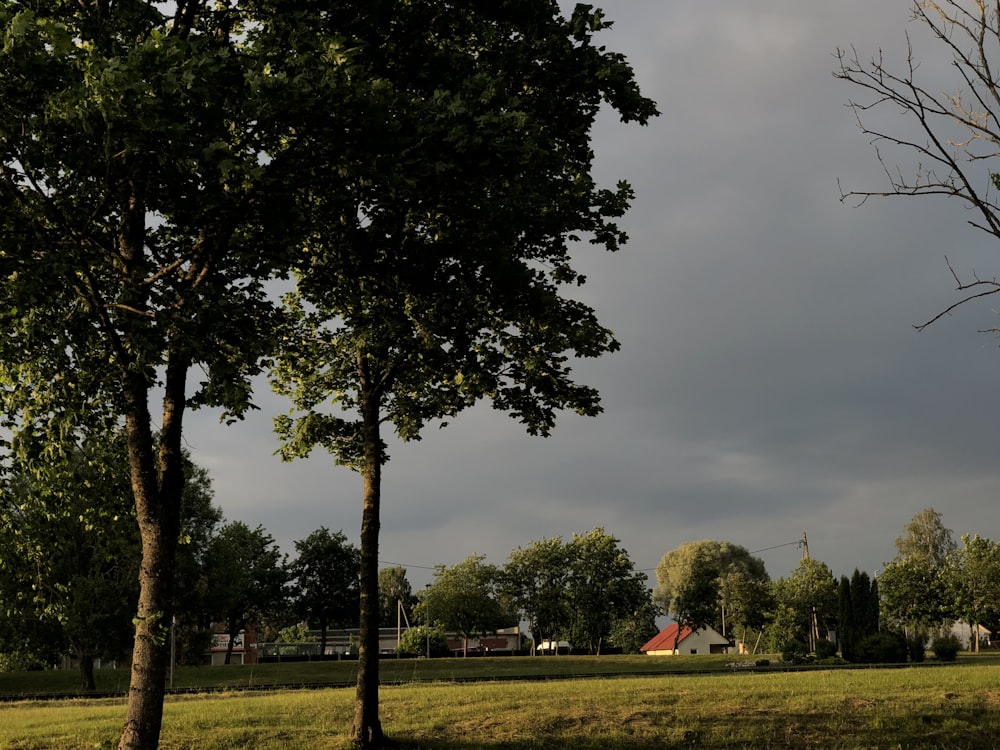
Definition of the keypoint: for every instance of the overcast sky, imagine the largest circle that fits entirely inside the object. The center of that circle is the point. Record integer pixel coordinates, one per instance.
(770, 382)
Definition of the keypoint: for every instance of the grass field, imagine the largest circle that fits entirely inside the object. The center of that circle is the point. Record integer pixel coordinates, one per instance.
(953, 707)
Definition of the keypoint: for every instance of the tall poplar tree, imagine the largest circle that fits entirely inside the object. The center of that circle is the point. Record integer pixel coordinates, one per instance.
(440, 254)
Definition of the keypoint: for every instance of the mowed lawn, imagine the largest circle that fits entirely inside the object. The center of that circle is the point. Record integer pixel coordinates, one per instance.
(953, 706)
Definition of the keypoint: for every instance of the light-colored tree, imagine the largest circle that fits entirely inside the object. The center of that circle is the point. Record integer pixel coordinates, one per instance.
(950, 129)
(712, 582)
(927, 539)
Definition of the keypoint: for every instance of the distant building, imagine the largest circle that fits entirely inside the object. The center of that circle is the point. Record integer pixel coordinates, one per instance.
(667, 642)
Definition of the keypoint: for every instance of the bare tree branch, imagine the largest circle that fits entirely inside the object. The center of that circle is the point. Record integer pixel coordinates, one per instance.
(959, 132)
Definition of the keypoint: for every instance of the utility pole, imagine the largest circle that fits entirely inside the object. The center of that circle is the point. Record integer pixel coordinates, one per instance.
(805, 546)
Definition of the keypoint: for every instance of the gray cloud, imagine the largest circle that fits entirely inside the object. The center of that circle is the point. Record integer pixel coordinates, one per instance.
(770, 381)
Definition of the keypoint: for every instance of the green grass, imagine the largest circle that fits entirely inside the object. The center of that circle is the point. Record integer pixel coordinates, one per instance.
(392, 670)
(949, 707)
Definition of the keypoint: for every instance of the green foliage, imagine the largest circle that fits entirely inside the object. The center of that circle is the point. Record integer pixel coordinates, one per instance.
(325, 581)
(794, 651)
(887, 647)
(585, 591)
(298, 633)
(975, 580)
(413, 642)
(700, 583)
(946, 646)
(247, 577)
(394, 588)
(534, 583)
(805, 602)
(825, 649)
(927, 539)
(464, 599)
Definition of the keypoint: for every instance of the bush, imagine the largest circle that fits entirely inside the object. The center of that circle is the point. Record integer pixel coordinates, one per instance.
(946, 647)
(762, 663)
(825, 649)
(794, 651)
(916, 645)
(882, 648)
(414, 642)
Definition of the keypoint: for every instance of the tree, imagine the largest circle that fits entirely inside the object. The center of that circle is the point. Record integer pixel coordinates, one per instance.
(857, 613)
(200, 519)
(325, 575)
(926, 538)
(713, 583)
(602, 586)
(246, 578)
(632, 629)
(806, 602)
(915, 596)
(394, 591)
(955, 137)
(463, 599)
(142, 208)
(915, 584)
(976, 582)
(535, 580)
(440, 238)
(70, 554)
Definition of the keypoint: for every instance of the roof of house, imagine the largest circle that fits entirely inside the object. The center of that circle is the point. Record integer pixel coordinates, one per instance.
(664, 640)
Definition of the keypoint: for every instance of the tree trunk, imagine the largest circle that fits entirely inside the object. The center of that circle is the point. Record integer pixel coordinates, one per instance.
(87, 682)
(367, 729)
(157, 483)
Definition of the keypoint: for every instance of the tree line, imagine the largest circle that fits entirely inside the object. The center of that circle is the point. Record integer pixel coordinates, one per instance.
(70, 554)
(916, 597)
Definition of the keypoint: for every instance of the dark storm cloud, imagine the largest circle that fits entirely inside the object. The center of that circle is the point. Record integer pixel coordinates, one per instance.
(770, 380)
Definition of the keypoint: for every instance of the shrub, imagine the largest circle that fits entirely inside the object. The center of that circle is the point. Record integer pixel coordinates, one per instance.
(916, 645)
(825, 649)
(414, 642)
(794, 651)
(762, 663)
(946, 647)
(882, 648)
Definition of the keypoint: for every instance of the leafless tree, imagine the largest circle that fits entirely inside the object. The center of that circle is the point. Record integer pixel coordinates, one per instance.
(956, 138)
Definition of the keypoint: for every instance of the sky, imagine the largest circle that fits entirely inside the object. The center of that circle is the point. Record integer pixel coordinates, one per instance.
(770, 382)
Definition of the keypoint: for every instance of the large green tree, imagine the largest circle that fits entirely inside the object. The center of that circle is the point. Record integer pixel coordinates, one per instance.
(535, 580)
(602, 587)
(440, 249)
(915, 584)
(464, 599)
(69, 553)
(715, 583)
(247, 578)
(140, 214)
(324, 575)
(805, 604)
(975, 583)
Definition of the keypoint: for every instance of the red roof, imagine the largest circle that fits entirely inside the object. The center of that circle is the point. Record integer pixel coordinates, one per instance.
(664, 640)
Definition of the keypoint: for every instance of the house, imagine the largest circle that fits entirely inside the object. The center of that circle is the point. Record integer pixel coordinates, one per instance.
(700, 641)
